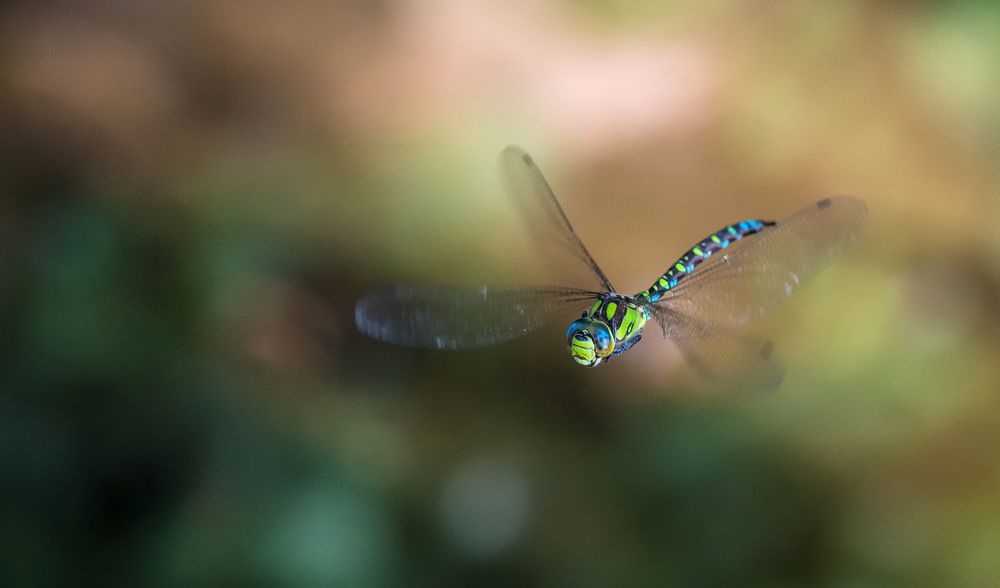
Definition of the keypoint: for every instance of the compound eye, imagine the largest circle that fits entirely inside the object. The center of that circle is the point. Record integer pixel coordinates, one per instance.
(602, 338)
(576, 326)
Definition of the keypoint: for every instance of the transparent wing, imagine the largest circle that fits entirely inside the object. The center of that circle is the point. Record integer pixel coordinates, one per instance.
(744, 281)
(741, 283)
(721, 356)
(445, 317)
(550, 230)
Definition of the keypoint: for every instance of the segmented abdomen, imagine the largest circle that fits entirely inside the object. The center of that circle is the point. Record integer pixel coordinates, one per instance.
(699, 253)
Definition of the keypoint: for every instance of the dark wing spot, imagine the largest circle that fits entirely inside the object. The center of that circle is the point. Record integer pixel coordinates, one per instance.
(824, 203)
(767, 350)
(526, 158)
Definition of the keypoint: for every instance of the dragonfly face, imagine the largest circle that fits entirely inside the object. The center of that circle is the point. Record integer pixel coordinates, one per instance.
(590, 341)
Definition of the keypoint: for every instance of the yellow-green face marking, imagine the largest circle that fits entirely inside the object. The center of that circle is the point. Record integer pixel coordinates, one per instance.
(581, 349)
(589, 341)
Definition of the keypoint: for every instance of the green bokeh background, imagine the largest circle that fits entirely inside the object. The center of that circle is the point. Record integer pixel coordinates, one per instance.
(196, 194)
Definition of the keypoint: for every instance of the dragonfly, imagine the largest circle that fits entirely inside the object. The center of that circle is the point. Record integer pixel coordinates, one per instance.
(700, 302)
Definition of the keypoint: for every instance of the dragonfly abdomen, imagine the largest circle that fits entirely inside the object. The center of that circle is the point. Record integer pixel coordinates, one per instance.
(687, 263)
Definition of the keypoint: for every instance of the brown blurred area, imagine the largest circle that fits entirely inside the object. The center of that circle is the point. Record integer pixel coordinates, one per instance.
(196, 194)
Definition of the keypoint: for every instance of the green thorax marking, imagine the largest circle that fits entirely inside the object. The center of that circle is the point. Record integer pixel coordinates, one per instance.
(625, 317)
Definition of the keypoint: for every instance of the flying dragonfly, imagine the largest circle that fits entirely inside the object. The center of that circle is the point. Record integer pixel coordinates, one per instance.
(699, 303)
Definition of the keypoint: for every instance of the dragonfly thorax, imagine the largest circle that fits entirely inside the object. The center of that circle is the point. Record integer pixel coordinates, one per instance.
(610, 327)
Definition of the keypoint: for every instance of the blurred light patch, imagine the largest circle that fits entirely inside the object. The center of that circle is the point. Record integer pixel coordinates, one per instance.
(949, 60)
(485, 507)
(327, 536)
(449, 58)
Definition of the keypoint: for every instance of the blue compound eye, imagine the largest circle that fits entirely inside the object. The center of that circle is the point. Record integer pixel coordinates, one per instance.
(602, 337)
(577, 325)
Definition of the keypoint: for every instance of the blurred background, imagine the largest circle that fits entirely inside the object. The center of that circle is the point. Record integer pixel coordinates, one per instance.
(196, 195)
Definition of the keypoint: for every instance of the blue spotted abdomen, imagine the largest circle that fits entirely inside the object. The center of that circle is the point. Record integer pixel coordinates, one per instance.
(699, 253)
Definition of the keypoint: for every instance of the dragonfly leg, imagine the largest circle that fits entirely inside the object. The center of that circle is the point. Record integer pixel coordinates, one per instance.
(625, 346)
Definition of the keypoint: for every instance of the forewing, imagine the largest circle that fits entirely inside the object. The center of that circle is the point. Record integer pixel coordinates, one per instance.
(552, 234)
(459, 318)
(746, 280)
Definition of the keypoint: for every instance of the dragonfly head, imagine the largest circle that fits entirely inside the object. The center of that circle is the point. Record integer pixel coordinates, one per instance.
(590, 341)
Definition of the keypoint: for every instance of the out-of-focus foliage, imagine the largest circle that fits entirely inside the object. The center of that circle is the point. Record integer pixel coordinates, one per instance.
(195, 195)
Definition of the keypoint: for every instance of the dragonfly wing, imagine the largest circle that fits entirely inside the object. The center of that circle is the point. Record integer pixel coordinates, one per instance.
(746, 280)
(723, 357)
(551, 231)
(459, 318)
